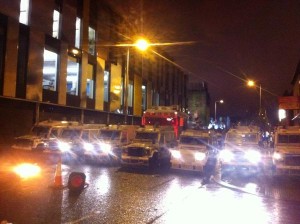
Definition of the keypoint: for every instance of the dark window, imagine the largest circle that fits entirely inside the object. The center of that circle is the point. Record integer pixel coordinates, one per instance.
(194, 140)
(109, 134)
(3, 22)
(22, 61)
(294, 138)
(288, 138)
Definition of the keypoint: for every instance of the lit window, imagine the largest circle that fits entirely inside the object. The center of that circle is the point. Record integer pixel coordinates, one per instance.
(106, 82)
(92, 41)
(144, 97)
(281, 114)
(72, 76)
(24, 11)
(78, 32)
(50, 70)
(130, 94)
(55, 25)
(90, 82)
(122, 91)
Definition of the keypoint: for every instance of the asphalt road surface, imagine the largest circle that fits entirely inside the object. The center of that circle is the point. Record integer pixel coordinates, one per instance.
(114, 195)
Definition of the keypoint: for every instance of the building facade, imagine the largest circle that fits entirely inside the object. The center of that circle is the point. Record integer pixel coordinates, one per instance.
(293, 114)
(59, 60)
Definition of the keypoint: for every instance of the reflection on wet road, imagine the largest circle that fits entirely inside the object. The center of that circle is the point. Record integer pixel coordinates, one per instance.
(115, 195)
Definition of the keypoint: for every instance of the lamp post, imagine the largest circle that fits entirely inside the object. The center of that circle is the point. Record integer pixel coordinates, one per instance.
(251, 83)
(142, 45)
(126, 81)
(217, 101)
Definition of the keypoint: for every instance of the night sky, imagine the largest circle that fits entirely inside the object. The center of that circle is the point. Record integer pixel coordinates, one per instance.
(233, 41)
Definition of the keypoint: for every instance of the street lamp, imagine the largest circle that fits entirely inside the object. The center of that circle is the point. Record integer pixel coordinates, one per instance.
(251, 83)
(142, 45)
(217, 101)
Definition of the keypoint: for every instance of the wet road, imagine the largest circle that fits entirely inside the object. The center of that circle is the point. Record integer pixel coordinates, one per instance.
(138, 196)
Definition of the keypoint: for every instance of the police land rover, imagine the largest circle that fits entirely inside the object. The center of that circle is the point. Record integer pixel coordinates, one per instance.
(109, 142)
(286, 156)
(150, 147)
(196, 150)
(242, 152)
(40, 134)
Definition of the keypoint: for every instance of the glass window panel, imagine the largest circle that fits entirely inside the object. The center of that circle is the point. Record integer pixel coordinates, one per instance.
(283, 138)
(90, 82)
(24, 11)
(130, 94)
(78, 32)
(55, 26)
(144, 97)
(92, 40)
(50, 70)
(294, 139)
(122, 91)
(72, 76)
(106, 82)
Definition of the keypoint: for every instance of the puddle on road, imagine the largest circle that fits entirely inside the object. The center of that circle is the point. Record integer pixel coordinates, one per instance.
(279, 188)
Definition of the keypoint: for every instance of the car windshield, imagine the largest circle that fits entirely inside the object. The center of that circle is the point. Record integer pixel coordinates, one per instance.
(109, 134)
(70, 133)
(160, 120)
(294, 138)
(54, 133)
(192, 140)
(40, 131)
(147, 135)
(242, 138)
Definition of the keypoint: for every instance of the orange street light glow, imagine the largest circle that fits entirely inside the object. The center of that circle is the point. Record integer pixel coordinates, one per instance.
(27, 170)
(251, 83)
(142, 44)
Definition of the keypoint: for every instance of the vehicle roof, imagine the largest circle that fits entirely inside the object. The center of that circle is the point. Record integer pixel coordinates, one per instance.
(288, 129)
(202, 133)
(151, 128)
(119, 127)
(244, 129)
(52, 123)
(164, 110)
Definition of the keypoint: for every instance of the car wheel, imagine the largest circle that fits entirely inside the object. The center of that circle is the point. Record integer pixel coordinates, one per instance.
(166, 164)
(153, 162)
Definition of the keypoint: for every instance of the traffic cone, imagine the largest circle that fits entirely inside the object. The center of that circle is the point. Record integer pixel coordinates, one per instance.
(58, 183)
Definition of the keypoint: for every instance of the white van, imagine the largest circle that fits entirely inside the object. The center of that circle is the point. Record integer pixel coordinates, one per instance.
(242, 152)
(108, 144)
(40, 134)
(286, 156)
(195, 149)
(150, 147)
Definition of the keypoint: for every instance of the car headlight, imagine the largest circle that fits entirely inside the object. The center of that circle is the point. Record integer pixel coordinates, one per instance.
(199, 156)
(105, 147)
(253, 156)
(226, 155)
(277, 156)
(64, 146)
(88, 146)
(176, 154)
